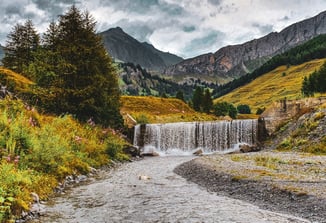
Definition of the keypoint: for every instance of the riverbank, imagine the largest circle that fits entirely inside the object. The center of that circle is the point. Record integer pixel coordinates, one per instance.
(290, 183)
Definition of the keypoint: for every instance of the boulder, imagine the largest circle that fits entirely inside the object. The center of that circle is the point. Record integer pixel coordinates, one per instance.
(244, 148)
(132, 150)
(151, 153)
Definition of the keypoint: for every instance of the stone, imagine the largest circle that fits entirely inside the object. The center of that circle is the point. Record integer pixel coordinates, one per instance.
(244, 148)
(144, 177)
(131, 150)
(198, 152)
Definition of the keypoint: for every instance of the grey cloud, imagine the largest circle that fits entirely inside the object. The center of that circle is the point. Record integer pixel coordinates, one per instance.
(285, 18)
(215, 2)
(263, 29)
(140, 6)
(138, 30)
(189, 29)
(12, 9)
(204, 44)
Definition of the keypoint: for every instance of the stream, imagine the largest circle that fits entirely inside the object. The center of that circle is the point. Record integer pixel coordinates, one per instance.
(120, 196)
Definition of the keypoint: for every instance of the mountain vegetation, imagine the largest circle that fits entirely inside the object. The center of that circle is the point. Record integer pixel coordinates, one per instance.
(315, 82)
(66, 72)
(135, 80)
(39, 151)
(146, 109)
(282, 82)
(313, 49)
(71, 68)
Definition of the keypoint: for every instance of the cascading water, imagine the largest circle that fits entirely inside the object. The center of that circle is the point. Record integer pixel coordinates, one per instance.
(189, 136)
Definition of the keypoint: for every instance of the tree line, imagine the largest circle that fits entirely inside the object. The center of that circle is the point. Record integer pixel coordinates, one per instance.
(72, 70)
(315, 82)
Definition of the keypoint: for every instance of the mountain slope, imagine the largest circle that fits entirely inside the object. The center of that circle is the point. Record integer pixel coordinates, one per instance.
(125, 48)
(160, 110)
(273, 86)
(237, 60)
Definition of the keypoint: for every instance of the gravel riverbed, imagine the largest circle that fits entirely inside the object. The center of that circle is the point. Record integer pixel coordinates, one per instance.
(290, 183)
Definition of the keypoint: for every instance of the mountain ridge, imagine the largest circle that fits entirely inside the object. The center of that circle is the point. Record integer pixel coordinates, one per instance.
(236, 60)
(125, 48)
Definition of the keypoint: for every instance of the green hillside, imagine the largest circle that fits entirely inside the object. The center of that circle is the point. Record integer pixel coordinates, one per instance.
(160, 110)
(284, 81)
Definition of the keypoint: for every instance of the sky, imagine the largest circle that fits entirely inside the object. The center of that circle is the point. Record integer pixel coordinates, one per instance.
(187, 28)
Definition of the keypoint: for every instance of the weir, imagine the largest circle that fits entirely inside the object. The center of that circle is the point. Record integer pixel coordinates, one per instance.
(189, 136)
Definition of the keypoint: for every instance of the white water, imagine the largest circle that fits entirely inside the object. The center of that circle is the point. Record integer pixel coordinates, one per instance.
(185, 137)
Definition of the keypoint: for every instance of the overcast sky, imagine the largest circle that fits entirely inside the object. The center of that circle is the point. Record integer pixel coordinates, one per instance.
(185, 27)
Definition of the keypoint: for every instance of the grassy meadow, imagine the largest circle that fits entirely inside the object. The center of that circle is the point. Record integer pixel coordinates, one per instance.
(160, 110)
(282, 82)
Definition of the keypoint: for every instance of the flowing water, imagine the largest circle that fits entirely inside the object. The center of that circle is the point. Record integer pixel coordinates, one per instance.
(189, 136)
(120, 196)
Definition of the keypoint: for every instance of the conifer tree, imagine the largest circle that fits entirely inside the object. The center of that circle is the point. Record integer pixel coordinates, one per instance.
(197, 99)
(207, 102)
(22, 42)
(88, 84)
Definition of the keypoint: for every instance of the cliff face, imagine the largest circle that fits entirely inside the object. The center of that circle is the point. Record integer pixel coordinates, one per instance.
(237, 60)
(125, 48)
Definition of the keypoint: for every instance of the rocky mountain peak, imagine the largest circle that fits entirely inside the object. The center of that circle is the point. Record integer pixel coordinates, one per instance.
(237, 60)
(124, 47)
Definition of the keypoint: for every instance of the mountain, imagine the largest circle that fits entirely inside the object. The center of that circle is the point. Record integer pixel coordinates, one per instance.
(125, 48)
(134, 80)
(234, 61)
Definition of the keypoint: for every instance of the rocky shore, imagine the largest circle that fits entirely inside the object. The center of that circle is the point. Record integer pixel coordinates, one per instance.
(291, 183)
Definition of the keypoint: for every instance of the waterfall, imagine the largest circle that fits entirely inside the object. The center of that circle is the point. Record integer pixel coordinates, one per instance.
(189, 136)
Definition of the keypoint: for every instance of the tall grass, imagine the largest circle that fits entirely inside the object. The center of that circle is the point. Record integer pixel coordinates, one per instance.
(38, 151)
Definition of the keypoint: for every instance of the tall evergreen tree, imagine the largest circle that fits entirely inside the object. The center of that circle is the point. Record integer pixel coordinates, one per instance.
(22, 42)
(197, 98)
(207, 102)
(179, 95)
(89, 86)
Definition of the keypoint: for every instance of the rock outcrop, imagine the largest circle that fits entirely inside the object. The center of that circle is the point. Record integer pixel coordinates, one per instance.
(237, 60)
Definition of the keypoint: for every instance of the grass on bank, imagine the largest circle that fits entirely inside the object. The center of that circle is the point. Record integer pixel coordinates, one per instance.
(284, 81)
(37, 152)
(160, 110)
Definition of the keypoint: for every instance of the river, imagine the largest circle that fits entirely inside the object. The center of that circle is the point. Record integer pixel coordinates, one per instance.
(120, 196)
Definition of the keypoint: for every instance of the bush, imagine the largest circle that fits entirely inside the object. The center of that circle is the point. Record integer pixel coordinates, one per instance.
(225, 108)
(244, 109)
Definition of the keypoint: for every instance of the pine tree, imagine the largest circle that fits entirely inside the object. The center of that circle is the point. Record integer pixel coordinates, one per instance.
(179, 95)
(22, 42)
(89, 85)
(197, 99)
(207, 102)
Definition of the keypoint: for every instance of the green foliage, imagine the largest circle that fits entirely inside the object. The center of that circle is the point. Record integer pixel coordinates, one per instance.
(315, 82)
(72, 70)
(22, 41)
(142, 119)
(180, 96)
(225, 108)
(197, 98)
(260, 111)
(39, 151)
(207, 102)
(202, 100)
(244, 109)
